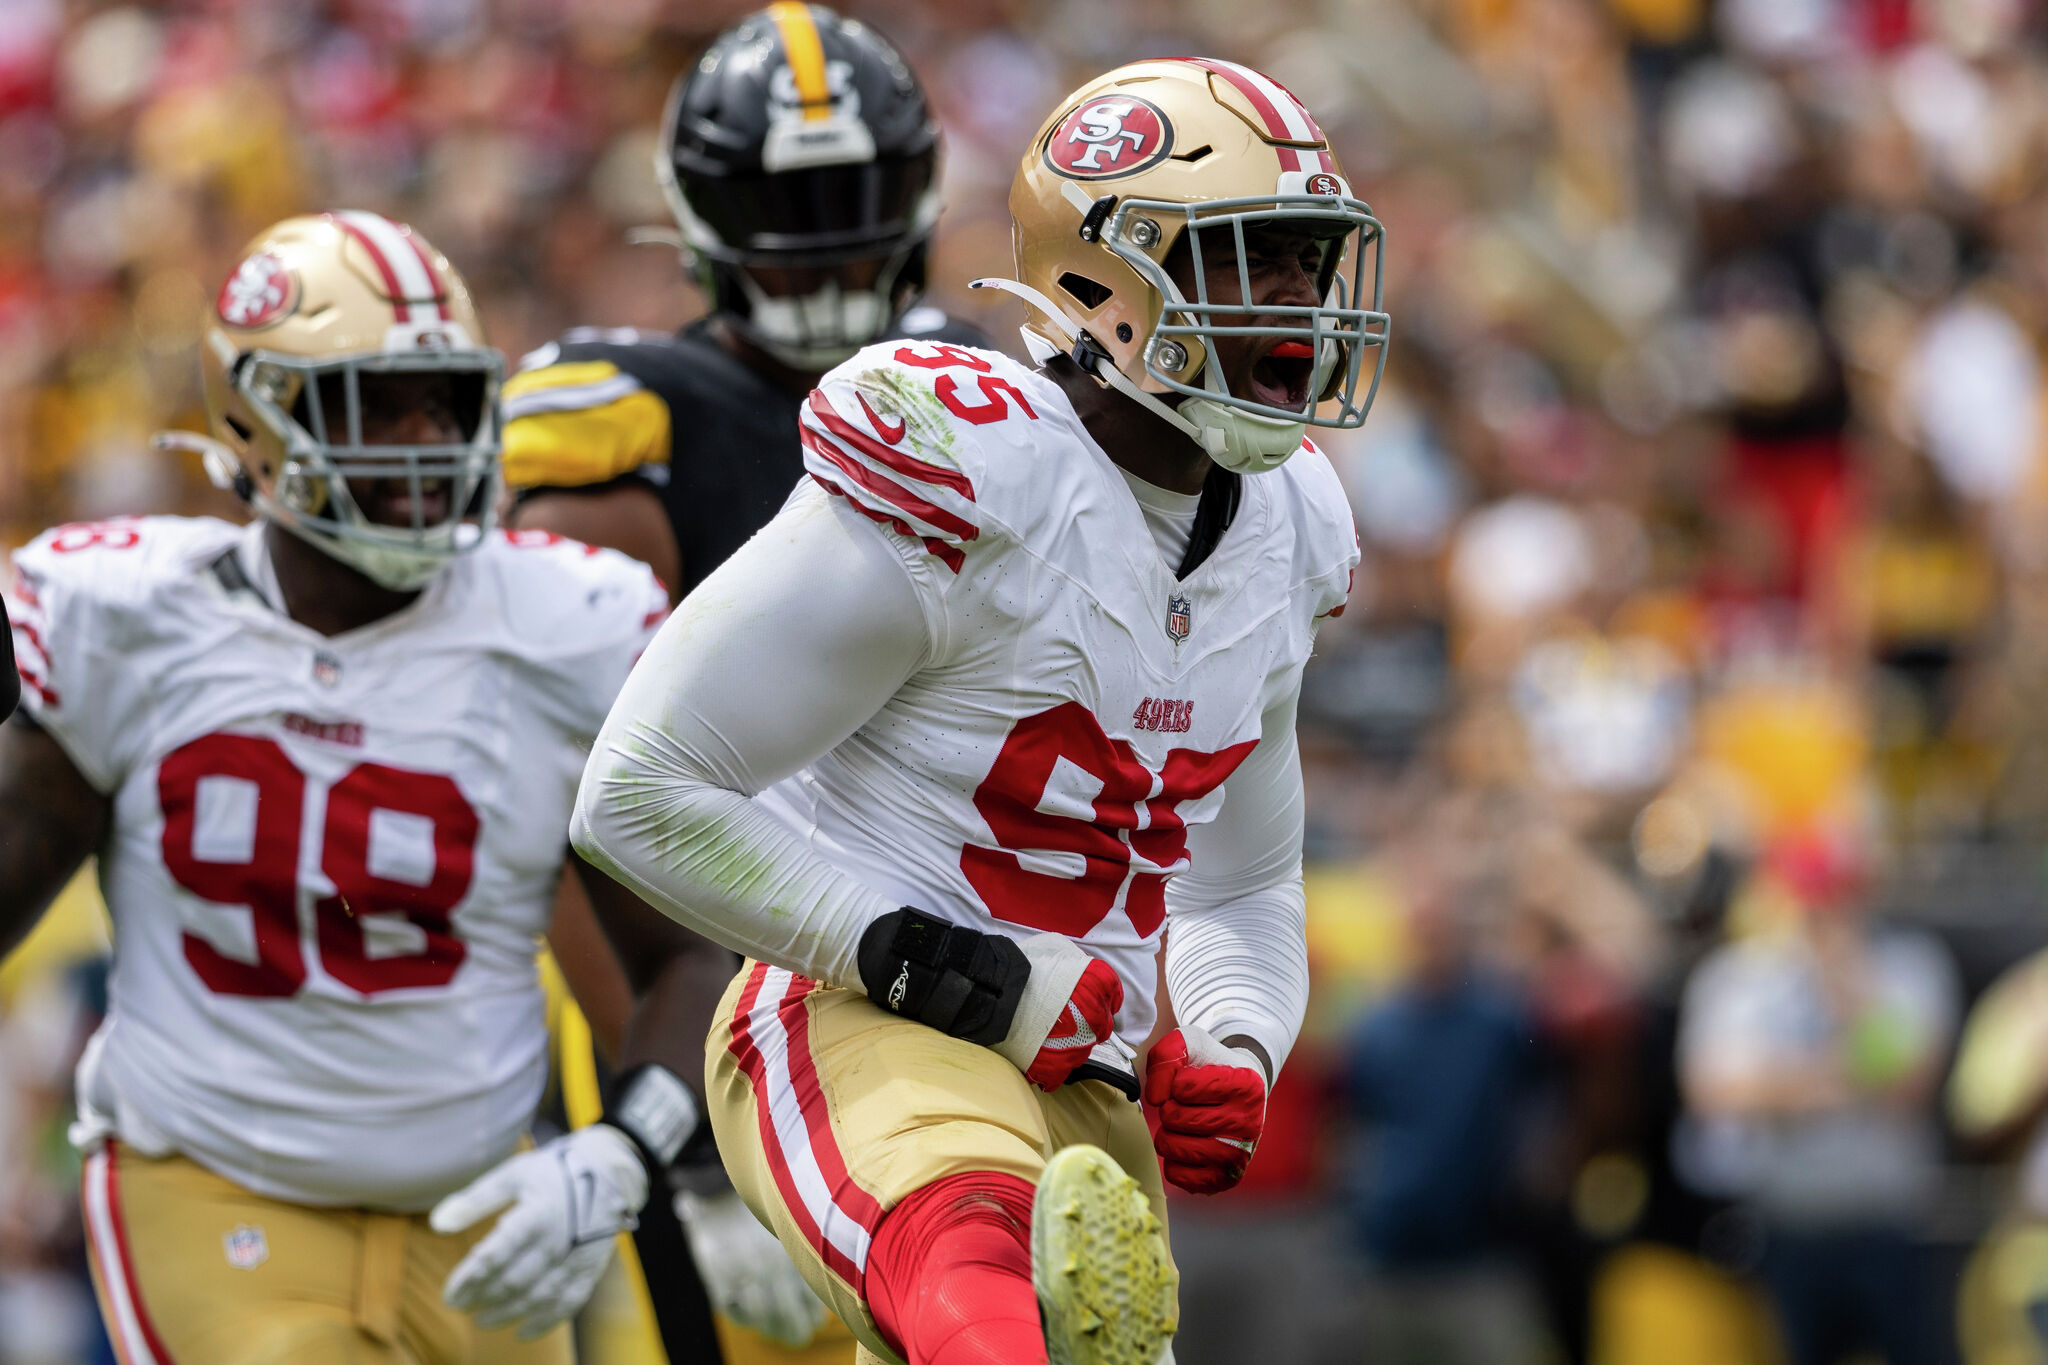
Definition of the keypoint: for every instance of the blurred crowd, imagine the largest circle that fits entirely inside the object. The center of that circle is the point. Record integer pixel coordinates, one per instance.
(1679, 775)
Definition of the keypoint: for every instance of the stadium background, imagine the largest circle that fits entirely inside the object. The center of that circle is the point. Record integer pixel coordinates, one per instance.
(1705, 599)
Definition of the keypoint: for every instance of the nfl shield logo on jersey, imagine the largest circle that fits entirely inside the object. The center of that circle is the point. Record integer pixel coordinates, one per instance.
(246, 1247)
(1179, 615)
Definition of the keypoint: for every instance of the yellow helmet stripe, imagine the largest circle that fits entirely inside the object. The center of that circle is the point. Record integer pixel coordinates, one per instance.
(806, 54)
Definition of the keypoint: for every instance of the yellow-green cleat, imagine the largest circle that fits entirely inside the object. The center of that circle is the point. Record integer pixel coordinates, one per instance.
(1107, 1291)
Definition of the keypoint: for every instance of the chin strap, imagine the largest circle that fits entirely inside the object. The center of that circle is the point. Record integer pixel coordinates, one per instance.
(1242, 442)
(223, 470)
(1211, 439)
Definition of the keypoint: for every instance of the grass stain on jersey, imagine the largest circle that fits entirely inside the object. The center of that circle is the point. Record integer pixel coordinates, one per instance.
(900, 395)
(644, 787)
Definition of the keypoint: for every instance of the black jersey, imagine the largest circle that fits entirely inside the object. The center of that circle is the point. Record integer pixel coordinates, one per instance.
(680, 414)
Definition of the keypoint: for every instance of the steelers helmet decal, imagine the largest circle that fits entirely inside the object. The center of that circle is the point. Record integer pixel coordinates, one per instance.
(800, 146)
(814, 105)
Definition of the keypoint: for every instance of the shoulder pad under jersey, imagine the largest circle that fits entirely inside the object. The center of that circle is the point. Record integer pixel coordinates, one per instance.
(92, 618)
(932, 440)
(559, 596)
(579, 616)
(1326, 540)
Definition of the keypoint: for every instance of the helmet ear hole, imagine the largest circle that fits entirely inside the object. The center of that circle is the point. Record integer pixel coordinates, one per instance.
(1090, 294)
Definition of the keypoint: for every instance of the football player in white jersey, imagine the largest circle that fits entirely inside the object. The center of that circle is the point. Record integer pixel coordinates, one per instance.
(327, 762)
(1005, 690)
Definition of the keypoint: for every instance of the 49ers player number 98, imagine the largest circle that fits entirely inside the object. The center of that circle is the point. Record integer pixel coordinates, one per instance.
(326, 761)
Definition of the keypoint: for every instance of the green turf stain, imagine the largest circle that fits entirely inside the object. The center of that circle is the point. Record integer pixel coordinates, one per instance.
(895, 394)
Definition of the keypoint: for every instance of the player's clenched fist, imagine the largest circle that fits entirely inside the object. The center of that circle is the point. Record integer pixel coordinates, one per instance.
(1044, 1003)
(1083, 994)
(1207, 1106)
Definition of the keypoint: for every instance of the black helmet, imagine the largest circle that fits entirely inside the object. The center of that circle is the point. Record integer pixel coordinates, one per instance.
(801, 143)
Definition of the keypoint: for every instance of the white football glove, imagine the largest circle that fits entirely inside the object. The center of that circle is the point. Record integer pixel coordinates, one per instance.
(567, 1201)
(747, 1274)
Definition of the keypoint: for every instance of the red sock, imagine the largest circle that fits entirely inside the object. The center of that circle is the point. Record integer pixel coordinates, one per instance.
(949, 1274)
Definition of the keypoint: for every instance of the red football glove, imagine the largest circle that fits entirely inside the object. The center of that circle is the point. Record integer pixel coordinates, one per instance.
(1069, 1006)
(1207, 1106)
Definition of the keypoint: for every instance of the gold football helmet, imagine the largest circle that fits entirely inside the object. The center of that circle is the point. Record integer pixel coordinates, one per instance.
(1119, 175)
(327, 319)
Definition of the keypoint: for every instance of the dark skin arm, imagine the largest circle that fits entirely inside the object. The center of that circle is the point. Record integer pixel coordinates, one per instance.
(1253, 1046)
(51, 820)
(625, 517)
(594, 975)
(674, 978)
(636, 1012)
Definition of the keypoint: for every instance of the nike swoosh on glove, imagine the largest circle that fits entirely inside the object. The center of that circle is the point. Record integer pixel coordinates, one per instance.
(1070, 1004)
(747, 1274)
(1207, 1106)
(564, 1204)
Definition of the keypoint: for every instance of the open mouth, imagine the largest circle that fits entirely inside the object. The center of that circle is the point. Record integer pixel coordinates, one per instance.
(1280, 377)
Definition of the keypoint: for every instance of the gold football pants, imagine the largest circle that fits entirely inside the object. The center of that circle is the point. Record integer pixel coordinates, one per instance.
(192, 1268)
(829, 1111)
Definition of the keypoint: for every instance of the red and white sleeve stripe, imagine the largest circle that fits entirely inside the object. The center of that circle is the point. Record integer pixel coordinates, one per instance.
(1286, 118)
(414, 286)
(857, 460)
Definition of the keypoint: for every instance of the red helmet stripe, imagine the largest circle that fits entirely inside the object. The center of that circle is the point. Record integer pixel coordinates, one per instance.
(434, 281)
(1287, 119)
(401, 264)
(376, 257)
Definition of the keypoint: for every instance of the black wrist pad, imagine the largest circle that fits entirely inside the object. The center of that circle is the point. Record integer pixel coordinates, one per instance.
(952, 978)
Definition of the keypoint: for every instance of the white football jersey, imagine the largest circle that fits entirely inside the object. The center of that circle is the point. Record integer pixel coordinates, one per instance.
(1081, 706)
(330, 858)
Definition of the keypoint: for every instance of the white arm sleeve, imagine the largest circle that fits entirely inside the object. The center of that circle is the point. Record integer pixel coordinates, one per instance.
(1237, 921)
(788, 648)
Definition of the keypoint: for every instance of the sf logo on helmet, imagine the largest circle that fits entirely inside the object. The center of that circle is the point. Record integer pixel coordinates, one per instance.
(260, 292)
(1120, 135)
